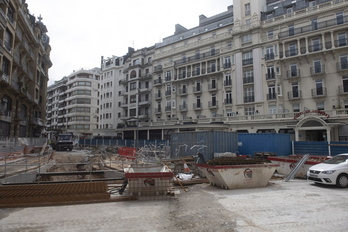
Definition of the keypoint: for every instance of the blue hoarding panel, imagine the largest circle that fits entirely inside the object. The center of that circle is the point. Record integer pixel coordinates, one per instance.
(264, 142)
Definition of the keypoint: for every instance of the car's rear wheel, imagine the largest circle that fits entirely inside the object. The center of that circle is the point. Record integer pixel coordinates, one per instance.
(342, 181)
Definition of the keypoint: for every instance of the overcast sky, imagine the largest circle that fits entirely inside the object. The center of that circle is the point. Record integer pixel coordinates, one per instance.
(81, 31)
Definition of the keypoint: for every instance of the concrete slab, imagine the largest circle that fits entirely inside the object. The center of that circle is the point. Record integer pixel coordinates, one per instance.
(297, 205)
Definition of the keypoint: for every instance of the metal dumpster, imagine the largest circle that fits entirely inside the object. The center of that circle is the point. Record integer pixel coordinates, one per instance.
(149, 180)
(238, 176)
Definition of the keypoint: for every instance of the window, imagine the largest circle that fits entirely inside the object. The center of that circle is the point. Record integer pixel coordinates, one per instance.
(316, 44)
(247, 9)
(228, 80)
(6, 66)
(269, 53)
(228, 99)
(249, 110)
(248, 76)
(247, 58)
(133, 86)
(246, 38)
(339, 18)
(341, 39)
(291, 30)
(345, 84)
(317, 66)
(289, 11)
(293, 70)
(295, 90)
(318, 87)
(314, 24)
(296, 107)
(272, 109)
(272, 95)
(312, 5)
(292, 49)
(320, 105)
(249, 94)
(8, 40)
(344, 62)
(227, 62)
(270, 73)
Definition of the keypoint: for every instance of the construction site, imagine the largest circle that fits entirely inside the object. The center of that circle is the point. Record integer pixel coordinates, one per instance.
(116, 188)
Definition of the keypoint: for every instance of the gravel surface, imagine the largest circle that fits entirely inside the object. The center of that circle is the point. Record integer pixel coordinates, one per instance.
(297, 205)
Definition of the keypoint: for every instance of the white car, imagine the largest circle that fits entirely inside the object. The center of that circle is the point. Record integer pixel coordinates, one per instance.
(333, 171)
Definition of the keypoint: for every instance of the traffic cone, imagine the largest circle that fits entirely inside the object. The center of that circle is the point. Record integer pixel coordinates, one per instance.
(186, 168)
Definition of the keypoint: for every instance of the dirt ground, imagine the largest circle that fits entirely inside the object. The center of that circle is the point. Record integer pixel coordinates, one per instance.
(297, 205)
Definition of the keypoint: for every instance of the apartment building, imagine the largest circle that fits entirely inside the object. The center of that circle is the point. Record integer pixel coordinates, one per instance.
(110, 110)
(263, 66)
(73, 103)
(24, 60)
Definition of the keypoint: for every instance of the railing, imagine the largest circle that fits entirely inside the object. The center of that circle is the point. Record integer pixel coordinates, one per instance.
(309, 28)
(315, 70)
(247, 61)
(228, 101)
(227, 82)
(294, 94)
(249, 99)
(248, 80)
(271, 96)
(293, 73)
(318, 92)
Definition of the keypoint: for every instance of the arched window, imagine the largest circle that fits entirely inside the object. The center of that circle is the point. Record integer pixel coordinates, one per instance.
(133, 74)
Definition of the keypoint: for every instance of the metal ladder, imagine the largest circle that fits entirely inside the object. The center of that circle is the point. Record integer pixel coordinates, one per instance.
(296, 168)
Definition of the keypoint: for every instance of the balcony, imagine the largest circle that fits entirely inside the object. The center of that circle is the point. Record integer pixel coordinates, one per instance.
(343, 89)
(213, 104)
(293, 73)
(291, 52)
(341, 42)
(248, 80)
(315, 48)
(158, 96)
(228, 101)
(293, 95)
(318, 92)
(248, 99)
(342, 67)
(168, 93)
(157, 82)
(269, 56)
(168, 78)
(228, 83)
(183, 91)
(226, 65)
(146, 76)
(270, 76)
(212, 69)
(271, 96)
(247, 61)
(197, 106)
(168, 108)
(158, 68)
(196, 57)
(197, 89)
(196, 72)
(320, 25)
(317, 70)
(158, 110)
(144, 102)
(212, 87)
(183, 107)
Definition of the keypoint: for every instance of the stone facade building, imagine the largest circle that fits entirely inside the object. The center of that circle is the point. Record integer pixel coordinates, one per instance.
(24, 64)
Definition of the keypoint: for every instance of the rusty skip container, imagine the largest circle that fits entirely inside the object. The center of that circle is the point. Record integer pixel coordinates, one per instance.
(238, 176)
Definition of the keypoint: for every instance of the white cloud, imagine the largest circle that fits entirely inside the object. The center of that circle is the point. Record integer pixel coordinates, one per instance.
(81, 31)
